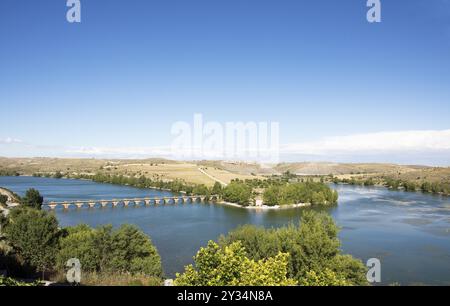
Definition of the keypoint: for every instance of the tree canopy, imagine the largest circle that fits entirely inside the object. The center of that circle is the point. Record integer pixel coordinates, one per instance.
(33, 199)
(230, 266)
(313, 246)
(34, 236)
(305, 192)
(237, 192)
(103, 249)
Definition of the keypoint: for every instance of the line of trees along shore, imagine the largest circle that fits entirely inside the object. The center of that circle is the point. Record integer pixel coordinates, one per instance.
(242, 192)
(31, 241)
(200, 189)
(396, 184)
(176, 186)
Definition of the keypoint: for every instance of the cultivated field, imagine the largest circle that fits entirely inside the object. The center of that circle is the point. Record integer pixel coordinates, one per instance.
(207, 172)
(152, 168)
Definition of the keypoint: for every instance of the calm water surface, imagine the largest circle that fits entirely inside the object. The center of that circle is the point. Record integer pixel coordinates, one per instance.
(408, 232)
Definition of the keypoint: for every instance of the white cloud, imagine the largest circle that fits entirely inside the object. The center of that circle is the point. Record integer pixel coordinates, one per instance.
(381, 142)
(120, 151)
(10, 140)
(430, 147)
(356, 145)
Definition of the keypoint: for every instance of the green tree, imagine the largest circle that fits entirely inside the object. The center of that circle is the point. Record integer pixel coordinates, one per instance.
(125, 250)
(3, 199)
(409, 186)
(33, 199)
(237, 192)
(132, 251)
(58, 175)
(200, 190)
(271, 196)
(326, 277)
(3, 222)
(229, 266)
(426, 187)
(10, 282)
(78, 242)
(216, 189)
(34, 236)
(313, 245)
(304, 192)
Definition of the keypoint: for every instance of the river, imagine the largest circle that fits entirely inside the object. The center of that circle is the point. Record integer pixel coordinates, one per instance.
(408, 231)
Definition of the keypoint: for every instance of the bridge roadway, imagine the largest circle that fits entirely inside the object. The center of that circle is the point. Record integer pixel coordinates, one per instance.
(127, 202)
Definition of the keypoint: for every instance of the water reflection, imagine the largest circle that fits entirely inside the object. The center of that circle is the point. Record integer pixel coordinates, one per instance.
(409, 232)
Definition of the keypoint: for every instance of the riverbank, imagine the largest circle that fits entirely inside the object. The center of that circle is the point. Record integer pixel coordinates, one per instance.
(400, 188)
(374, 222)
(12, 197)
(265, 207)
(13, 200)
(222, 202)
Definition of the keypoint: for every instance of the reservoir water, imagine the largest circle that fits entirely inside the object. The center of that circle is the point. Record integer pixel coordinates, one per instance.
(408, 231)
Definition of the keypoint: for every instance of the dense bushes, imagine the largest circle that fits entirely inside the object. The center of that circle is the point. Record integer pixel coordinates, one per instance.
(278, 192)
(35, 242)
(10, 282)
(237, 192)
(34, 236)
(313, 247)
(229, 266)
(125, 250)
(32, 199)
(308, 254)
(3, 199)
(293, 193)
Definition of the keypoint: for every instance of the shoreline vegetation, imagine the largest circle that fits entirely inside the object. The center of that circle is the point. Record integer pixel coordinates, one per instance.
(438, 188)
(434, 180)
(271, 193)
(34, 247)
(258, 251)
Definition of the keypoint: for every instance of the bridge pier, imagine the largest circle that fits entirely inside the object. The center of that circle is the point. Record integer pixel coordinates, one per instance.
(52, 205)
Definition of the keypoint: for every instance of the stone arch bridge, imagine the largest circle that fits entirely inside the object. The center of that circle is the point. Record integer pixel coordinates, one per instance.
(130, 202)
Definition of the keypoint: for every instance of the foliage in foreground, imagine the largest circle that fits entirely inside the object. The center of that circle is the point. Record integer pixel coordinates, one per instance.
(327, 277)
(104, 250)
(34, 236)
(32, 199)
(307, 255)
(229, 266)
(10, 282)
(32, 241)
(118, 279)
(313, 246)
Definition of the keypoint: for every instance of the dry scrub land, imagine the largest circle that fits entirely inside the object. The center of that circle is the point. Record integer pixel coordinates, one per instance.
(218, 170)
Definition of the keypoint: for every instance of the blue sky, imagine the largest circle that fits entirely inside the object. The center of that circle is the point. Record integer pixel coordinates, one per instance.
(130, 69)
